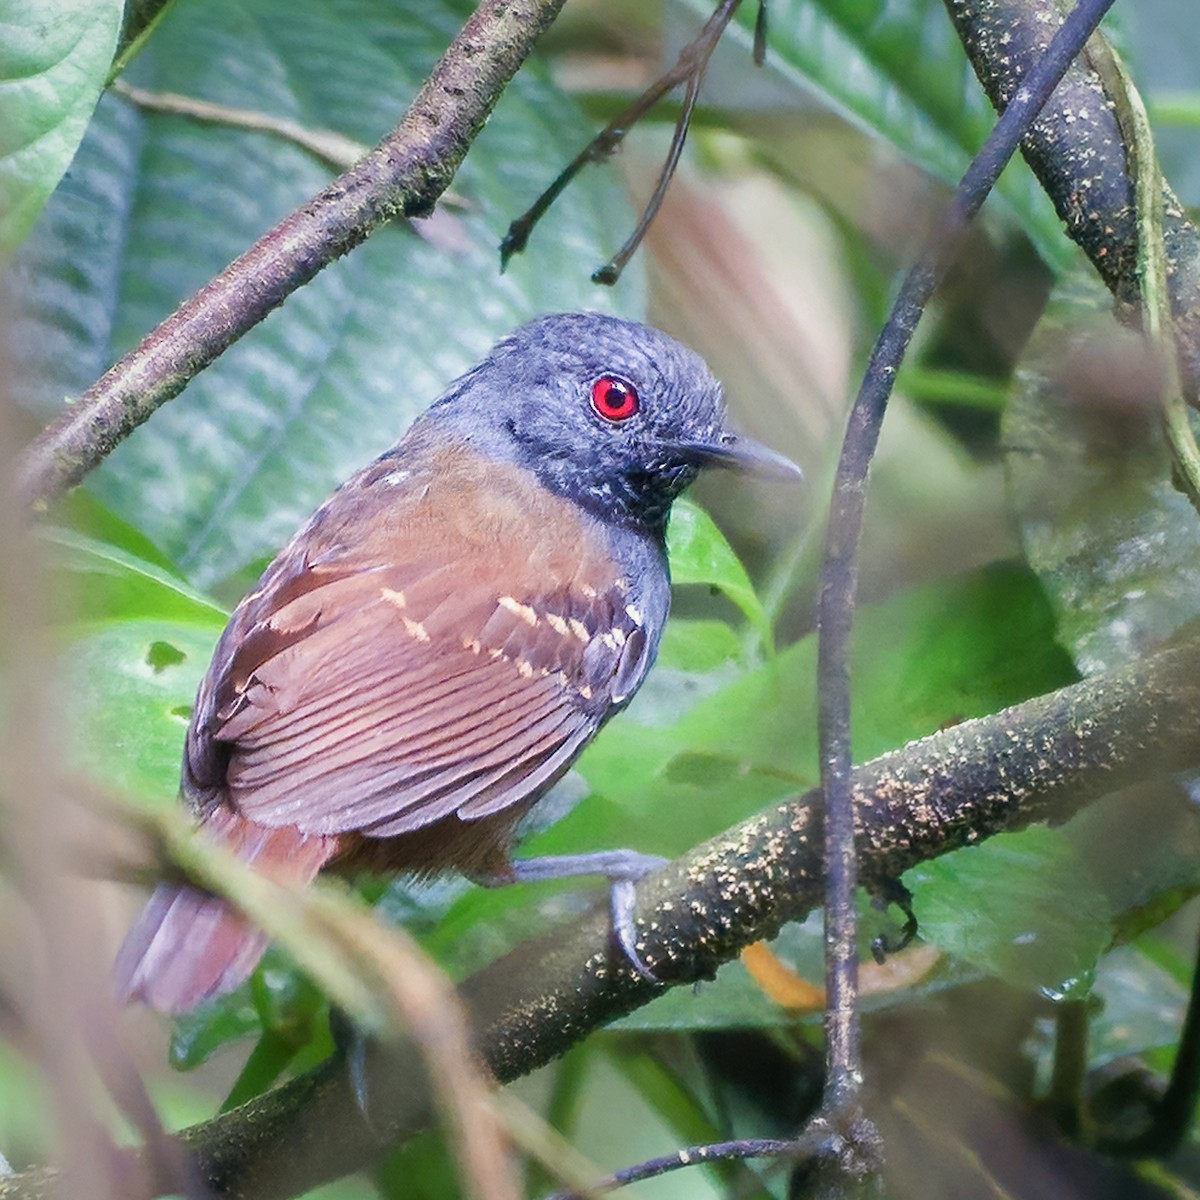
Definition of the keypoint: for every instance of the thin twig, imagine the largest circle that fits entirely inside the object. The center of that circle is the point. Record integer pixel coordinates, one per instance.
(760, 34)
(403, 176)
(689, 68)
(811, 1146)
(840, 572)
(611, 271)
(327, 144)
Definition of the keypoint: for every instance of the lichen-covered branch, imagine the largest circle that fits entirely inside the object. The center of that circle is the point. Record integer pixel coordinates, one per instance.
(1041, 759)
(1077, 150)
(402, 176)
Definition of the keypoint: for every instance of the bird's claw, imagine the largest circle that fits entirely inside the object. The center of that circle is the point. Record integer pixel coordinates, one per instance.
(623, 869)
(623, 898)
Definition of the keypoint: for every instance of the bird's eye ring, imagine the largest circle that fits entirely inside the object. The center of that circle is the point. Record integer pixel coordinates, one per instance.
(614, 399)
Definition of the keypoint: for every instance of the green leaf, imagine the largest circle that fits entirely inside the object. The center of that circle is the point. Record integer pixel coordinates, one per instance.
(200, 1034)
(699, 553)
(961, 648)
(679, 1097)
(131, 687)
(277, 1004)
(222, 475)
(1116, 544)
(54, 58)
(1143, 1006)
(1021, 906)
(100, 583)
(82, 512)
(699, 647)
(899, 71)
(1143, 850)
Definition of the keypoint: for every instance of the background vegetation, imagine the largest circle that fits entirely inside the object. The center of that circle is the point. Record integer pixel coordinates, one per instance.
(1024, 529)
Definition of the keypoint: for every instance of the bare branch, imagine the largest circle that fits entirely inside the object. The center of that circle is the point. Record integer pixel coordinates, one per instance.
(1077, 150)
(402, 176)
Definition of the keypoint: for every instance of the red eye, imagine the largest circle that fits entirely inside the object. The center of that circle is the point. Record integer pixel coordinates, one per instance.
(614, 399)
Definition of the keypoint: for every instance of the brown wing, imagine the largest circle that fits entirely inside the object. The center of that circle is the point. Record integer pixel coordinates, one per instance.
(382, 684)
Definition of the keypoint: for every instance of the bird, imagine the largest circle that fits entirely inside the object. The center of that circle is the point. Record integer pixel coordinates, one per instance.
(436, 646)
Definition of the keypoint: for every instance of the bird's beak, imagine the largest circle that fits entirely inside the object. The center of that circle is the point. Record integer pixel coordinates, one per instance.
(739, 453)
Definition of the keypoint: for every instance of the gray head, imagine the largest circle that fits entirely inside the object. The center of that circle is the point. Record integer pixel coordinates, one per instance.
(615, 415)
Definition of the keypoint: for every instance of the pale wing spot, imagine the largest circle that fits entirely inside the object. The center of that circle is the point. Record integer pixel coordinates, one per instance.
(514, 606)
(589, 592)
(557, 623)
(585, 692)
(524, 668)
(580, 630)
(416, 629)
(472, 644)
(393, 597)
(618, 636)
(635, 613)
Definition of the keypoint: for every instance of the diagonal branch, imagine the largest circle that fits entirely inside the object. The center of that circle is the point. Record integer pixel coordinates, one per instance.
(1039, 760)
(402, 176)
(1077, 150)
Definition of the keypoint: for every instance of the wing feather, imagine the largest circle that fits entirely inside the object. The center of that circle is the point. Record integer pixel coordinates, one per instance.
(364, 688)
(361, 723)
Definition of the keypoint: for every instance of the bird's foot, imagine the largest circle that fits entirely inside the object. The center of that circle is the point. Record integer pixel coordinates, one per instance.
(622, 868)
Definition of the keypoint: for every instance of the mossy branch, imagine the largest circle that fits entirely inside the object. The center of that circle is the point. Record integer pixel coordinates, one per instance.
(1040, 760)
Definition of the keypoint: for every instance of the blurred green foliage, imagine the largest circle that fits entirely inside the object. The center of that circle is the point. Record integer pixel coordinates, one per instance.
(147, 557)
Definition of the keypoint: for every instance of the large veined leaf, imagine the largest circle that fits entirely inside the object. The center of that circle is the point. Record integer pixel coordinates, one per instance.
(1022, 907)
(54, 57)
(156, 204)
(897, 69)
(132, 685)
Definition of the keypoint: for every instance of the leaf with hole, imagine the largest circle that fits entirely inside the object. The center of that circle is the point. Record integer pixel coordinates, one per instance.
(130, 689)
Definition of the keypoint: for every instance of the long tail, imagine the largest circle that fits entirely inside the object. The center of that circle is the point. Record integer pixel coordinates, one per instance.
(189, 945)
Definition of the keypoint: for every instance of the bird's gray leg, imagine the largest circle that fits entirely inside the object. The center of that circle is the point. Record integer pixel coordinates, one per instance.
(622, 868)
